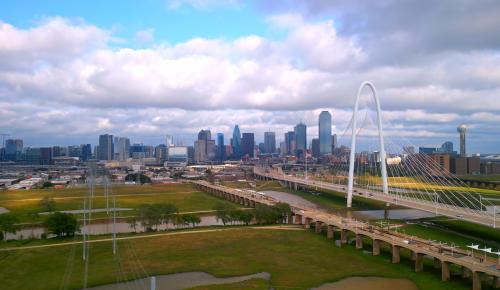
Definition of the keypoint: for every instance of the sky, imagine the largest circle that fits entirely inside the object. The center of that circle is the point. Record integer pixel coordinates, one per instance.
(71, 70)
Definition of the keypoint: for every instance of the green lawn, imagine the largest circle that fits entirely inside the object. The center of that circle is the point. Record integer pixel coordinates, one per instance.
(26, 204)
(295, 260)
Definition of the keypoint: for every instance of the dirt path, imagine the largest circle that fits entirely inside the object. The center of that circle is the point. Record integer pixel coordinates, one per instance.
(194, 231)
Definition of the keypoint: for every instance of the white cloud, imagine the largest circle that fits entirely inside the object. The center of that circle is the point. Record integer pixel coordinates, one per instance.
(46, 80)
(146, 35)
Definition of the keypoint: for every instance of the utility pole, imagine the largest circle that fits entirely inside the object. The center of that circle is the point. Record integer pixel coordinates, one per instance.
(114, 225)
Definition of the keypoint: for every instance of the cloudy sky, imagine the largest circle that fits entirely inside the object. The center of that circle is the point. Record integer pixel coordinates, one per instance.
(71, 71)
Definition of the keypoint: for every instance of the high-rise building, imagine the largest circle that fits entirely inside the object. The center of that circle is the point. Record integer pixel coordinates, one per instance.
(177, 156)
(161, 153)
(247, 144)
(169, 141)
(315, 144)
(269, 142)
(137, 151)
(221, 148)
(462, 129)
(204, 147)
(300, 131)
(447, 147)
(86, 152)
(106, 150)
(199, 151)
(121, 147)
(325, 133)
(236, 142)
(13, 149)
(334, 142)
(291, 145)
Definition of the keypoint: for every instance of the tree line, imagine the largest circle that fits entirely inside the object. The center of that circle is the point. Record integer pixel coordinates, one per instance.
(152, 216)
(261, 214)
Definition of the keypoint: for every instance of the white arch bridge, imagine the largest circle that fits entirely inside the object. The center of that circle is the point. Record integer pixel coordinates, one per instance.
(417, 181)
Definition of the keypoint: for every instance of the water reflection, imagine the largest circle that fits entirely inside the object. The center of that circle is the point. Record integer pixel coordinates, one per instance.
(102, 227)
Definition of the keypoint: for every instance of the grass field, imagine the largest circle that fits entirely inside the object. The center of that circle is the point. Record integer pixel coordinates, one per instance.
(295, 260)
(25, 204)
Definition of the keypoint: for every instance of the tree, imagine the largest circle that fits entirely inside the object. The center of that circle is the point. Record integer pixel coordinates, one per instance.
(191, 219)
(47, 204)
(8, 225)
(142, 178)
(246, 217)
(266, 214)
(153, 215)
(47, 184)
(61, 224)
(222, 210)
(283, 209)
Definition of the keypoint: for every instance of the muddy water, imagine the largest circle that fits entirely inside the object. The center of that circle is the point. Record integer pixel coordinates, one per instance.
(106, 227)
(369, 283)
(181, 281)
(406, 214)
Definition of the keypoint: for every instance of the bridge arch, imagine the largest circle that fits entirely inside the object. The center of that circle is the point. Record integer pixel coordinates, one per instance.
(352, 156)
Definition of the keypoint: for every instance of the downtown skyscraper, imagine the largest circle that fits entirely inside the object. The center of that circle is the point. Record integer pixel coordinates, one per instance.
(236, 142)
(300, 131)
(325, 133)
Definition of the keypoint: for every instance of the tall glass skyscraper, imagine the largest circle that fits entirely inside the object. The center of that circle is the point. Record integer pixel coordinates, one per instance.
(300, 138)
(269, 142)
(221, 149)
(325, 133)
(236, 142)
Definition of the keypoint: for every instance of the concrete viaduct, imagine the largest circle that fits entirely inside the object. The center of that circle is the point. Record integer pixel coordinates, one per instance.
(477, 268)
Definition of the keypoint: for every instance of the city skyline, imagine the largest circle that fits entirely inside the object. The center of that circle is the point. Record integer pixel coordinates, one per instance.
(136, 79)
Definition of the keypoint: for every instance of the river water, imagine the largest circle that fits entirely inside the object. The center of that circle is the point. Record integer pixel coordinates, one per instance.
(101, 227)
(371, 283)
(180, 281)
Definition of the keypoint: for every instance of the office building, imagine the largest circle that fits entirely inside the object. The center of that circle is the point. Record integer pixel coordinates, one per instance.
(290, 143)
(462, 129)
(315, 144)
(161, 153)
(300, 131)
(447, 147)
(247, 145)
(13, 149)
(177, 156)
(236, 142)
(106, 148)
(269, 142)
(221, 148)
(169, 141)
(121, 147)
(325, 133)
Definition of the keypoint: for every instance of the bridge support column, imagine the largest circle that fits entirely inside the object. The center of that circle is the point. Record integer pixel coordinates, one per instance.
(437, 263)
(476, 280)
(290, 219)
(413, 256)
(496, 282)
(359, 241)
(307, 223)
(298, 219)
(343, 236)
(465, 272)
(329, 233)
(445, 271)
(252, 203)
(318, 226)
(396, 257)
(296, 187)
(419, 262)
(376, 247)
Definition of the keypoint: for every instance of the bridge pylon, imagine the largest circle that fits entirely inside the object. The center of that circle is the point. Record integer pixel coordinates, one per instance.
(352, 157)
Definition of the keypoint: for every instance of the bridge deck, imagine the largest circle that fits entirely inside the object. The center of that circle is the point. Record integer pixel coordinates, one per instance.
(416, 245)
(474, 216)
